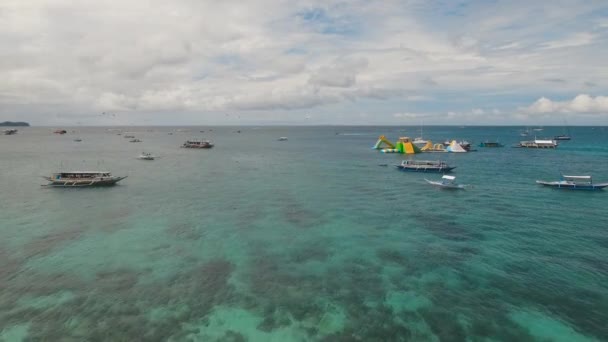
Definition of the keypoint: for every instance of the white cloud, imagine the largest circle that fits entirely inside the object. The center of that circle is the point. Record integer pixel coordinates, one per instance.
(206, 56)
(582, 103)
(578, 39)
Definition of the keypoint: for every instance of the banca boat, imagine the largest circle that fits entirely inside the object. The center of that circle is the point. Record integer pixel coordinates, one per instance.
(424, 166)
(574, 183)
(197, 144)
(491, 144)
(447, 182)
(82, 179)
(146, 156)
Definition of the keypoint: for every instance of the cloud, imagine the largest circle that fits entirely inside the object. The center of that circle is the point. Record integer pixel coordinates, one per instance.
(582, 103)
(578, 39)
(192, 58)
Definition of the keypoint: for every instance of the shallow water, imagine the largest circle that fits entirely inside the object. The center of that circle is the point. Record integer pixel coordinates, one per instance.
(306, 239)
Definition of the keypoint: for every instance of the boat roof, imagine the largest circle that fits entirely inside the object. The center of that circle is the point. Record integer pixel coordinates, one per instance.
(576, 177)
(448, 177)
(543, 141)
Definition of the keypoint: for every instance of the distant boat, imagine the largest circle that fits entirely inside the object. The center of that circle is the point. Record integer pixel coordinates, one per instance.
(491, 144)
(134, 140)
(128, 136)
(282, 139)
(447, 182)
(574, 183)
(538, 143)
(146, 156)
(564, 136)
(82, 179)
(78, 140)
(424, 166)
(197, 144)
(419, 140)
(525, 133)
(538, 129)
(60, 131)
(10, 131)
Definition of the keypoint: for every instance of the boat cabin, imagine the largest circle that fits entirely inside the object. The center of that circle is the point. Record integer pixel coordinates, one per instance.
(577, 179)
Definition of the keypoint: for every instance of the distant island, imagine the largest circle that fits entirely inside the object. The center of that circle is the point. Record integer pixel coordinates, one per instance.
(14, 124)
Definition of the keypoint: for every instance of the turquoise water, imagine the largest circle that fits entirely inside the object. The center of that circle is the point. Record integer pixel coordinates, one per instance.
(304, 240)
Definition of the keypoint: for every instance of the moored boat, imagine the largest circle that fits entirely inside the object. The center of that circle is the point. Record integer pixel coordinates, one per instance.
(491, 144)
(10, 131)
(562, 137)
(538, 143)
(282, 139)
(195, 143)
(82, 179)
(447, 182)
(146, 156)
(424, 166)
(574, 183)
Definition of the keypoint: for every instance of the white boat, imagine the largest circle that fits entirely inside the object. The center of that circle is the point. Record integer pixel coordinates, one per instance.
(82, 179)
(574, 183)
(146, 156)
(538, 143)
(447, 182)
(282, 139)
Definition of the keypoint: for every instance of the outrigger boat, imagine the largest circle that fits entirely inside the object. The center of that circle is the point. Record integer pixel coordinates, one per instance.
(491, 144)
(197, 144)
(447, 182)
(146, 156)
(424, 166)
(574, 183)
(82, 179)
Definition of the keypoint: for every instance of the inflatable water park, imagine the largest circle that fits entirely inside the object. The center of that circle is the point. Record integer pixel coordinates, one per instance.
(406, 146)
(403, 145)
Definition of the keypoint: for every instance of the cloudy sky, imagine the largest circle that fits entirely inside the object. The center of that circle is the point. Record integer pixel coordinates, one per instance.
(152, 62)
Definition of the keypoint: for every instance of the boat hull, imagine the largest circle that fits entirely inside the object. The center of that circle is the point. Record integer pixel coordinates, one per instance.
(569, 186)
(82, 183)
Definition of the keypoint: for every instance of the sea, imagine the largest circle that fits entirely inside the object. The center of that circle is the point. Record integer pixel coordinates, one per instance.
(317, 238)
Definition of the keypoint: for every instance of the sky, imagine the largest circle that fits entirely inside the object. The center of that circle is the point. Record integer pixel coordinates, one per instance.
(256, 62)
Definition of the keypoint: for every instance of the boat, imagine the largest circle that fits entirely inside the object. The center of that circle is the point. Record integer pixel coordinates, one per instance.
(491, 144)
(10, 131)
(195, 143)
(419, 140)
(538, 143)
(282, 139)
(447, 182)
(146, 156)
(574, 183)
(82, 179)
(134, 140)
(128, 136)
(60, 131)
(424, 166)
(525, 133)
(78, 140)
(538, 129)
(564, 136)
